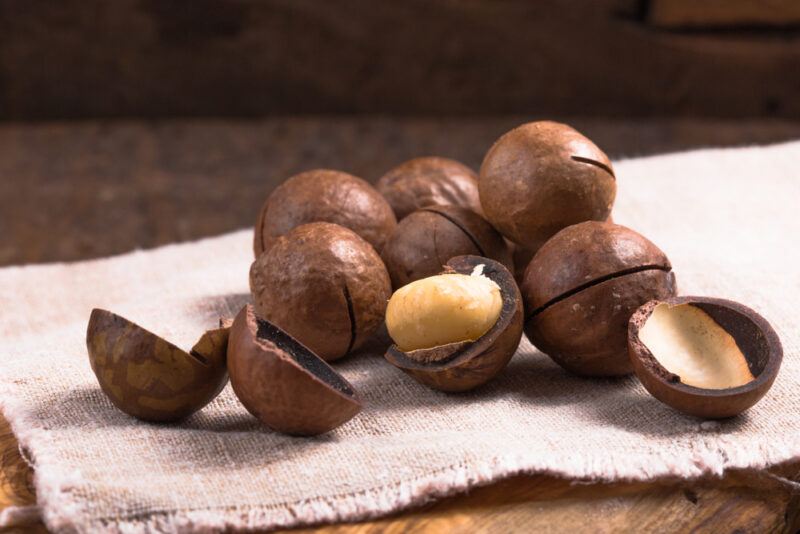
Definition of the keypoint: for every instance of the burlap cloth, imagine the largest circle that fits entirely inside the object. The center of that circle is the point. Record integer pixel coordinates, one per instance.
(728, 219)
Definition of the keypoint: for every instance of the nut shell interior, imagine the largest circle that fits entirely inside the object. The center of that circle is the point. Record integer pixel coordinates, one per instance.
(466, 365)
(755, 340)
(283, 383)
(150, 378)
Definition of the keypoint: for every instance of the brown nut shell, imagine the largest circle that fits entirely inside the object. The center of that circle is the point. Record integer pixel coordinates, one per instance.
(324, 195)
(429, 181)
(586, 333)
(426, 240)
(584, 253)
(754, 337)
(283, 383)
(542, 177)
(467, 365)
(524, 255)
(150, 378)
(324, 286)
(581, 288)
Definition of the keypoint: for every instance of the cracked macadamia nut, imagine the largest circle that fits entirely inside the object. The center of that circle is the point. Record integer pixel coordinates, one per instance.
(542, 177)
(457, 330)
(582, 287)
(703, 356)
(429, 181)
(284, 384)
(150, 378)
(324, 196)
(442, 309)
(323, 285)
(524, 255)
(425, 240)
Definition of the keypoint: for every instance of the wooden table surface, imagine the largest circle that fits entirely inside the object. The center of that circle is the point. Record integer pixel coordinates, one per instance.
(75, 191)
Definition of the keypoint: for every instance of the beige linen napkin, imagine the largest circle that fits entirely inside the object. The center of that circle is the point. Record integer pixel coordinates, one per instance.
(728, 219)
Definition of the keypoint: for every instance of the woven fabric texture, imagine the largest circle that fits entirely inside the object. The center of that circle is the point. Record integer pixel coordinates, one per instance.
(728, 219)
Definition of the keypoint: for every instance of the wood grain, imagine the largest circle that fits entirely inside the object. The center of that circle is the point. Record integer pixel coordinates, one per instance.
(119, 185)
(90, 189)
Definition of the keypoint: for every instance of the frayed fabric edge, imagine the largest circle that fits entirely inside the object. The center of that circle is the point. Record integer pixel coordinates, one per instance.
(52, 486)
(59, 510)
(380, 502)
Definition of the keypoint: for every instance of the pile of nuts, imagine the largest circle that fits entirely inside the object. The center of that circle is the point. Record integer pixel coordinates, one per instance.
(526, 244)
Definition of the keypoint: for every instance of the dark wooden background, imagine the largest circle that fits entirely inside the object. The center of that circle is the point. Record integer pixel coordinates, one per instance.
(623, 58)
(135, 123)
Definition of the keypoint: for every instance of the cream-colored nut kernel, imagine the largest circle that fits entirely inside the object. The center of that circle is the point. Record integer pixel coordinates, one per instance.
(686, 341)
(442, 309)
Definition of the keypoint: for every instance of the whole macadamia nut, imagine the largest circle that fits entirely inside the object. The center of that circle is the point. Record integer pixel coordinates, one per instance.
(425, 240)
(324, 196)
(542, 177)
(324, 286)
(581, 288)
(429, 181)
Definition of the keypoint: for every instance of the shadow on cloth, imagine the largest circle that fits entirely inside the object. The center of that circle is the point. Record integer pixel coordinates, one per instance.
(221, 437)
(531, 377)
(88, 408)
(634, 410)
(219, 306)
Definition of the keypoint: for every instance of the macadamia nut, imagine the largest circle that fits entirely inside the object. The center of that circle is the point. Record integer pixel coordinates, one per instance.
(443, 309)
(324, 195)
(542, 177)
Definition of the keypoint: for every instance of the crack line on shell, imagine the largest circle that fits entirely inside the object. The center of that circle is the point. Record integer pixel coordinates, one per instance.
(261, 217)
(469, 234)
(596, 281)
(352, 316)
(596, 163)
(199, 357)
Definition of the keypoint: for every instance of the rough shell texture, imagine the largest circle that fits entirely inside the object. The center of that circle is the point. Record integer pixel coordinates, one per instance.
(524, 255)
(753, 335)
(326, 196)
(429, 181)
(542, 177)
(149, 378)
(324, 286)
(582, 287)
(468, 365)
(586, 333)
(283, 383)
(425, 240)
(584, 253)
